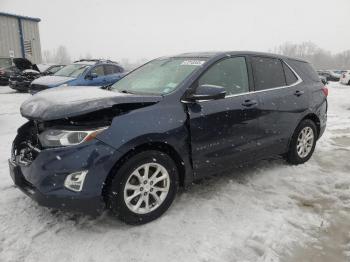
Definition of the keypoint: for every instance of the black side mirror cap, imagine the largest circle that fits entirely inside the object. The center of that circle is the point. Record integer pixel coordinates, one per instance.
(207, 92)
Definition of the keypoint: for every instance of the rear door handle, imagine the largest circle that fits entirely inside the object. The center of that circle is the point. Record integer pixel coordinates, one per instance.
(298, 93)
(249, 103)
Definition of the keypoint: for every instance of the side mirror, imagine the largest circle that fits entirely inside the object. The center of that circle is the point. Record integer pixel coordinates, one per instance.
(91, 76)
(207, 92)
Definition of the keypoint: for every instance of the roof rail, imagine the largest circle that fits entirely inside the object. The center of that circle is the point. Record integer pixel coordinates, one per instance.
(97, 61)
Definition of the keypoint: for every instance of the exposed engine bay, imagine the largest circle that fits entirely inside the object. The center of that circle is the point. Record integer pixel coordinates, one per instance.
(27, 144)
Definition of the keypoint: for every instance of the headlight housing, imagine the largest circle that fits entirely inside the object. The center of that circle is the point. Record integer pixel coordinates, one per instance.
(58, 137)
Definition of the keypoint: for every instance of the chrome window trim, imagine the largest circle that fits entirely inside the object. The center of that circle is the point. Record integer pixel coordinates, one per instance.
(300, 80)
(274, 88)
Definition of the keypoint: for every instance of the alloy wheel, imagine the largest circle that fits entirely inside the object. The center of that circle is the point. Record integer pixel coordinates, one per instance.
(146, 188)
(305, 142)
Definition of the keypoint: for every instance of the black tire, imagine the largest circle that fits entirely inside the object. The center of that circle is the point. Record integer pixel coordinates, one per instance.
(115, 200)
(349, 83)
(292, 155)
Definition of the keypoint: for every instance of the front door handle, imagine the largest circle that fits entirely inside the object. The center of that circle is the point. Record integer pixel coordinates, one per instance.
(298, 93)
(249, 103)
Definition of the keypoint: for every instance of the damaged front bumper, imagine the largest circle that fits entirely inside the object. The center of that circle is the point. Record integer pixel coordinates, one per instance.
(19, 85)
(41, 174)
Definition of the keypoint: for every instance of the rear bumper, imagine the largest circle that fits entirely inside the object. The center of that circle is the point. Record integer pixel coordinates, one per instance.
(43, 179)
(322, 129)
(323, 117)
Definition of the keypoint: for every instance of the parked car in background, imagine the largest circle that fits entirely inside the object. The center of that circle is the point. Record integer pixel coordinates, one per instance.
(167, 123)
(21, 80)
(49, 69)
(10, 66)
(86, 72)
(345, 78)
(329, 75)
(336, 74)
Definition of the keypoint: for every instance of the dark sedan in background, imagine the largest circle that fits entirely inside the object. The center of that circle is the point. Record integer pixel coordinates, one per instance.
(10, 66)
(21, 80)
(329, 75)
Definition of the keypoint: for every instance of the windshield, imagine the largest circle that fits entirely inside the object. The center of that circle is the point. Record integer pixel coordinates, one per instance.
(160, 76)
(73, 70)
(53, 69)
(5, 62)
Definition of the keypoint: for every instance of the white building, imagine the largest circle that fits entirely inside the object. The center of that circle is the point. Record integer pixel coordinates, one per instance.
(19, 37)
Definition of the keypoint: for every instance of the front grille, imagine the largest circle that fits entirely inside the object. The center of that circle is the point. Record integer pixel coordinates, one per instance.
(26, 147)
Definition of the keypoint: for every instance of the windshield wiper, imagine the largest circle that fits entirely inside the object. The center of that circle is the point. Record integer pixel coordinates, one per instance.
(126, 92)
(107, 87)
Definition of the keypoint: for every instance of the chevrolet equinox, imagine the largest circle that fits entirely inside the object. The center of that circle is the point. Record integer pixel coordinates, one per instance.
(167, 123)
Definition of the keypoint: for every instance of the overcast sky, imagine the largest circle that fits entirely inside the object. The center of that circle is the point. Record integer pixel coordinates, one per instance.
(146, 29)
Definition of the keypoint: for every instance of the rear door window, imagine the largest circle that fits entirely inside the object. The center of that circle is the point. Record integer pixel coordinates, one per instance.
(111, 69)
(98, 70)
(230, 73)
(268, 73)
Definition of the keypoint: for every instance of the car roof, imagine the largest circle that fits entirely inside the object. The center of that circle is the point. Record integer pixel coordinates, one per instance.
(85, 63)
(212, 54)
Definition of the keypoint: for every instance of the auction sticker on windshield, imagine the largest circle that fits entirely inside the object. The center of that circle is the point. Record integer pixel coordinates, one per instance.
(193, 62)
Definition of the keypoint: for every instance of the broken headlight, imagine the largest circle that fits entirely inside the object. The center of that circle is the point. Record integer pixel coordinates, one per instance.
(57, 137)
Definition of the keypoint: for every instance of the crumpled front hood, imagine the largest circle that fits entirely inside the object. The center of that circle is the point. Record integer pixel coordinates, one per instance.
(52, 80)
(22, 63)
(63, 102)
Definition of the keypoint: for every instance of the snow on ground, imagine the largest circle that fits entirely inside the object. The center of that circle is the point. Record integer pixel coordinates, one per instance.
(269, 211)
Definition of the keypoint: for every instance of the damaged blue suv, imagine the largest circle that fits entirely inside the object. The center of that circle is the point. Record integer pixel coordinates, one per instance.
(169, 122)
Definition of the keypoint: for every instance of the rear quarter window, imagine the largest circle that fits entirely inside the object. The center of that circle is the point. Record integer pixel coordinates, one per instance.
(305, 70)
(112, 69)
(291, 78)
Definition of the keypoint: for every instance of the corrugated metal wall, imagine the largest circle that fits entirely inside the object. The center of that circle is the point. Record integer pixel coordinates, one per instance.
(10, 38)
(31, 35)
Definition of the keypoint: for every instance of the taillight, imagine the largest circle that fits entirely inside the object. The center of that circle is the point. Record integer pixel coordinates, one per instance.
(2, 72)
(325, 91)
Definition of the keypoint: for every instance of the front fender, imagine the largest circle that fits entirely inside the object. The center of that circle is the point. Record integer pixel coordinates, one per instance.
(159, 123)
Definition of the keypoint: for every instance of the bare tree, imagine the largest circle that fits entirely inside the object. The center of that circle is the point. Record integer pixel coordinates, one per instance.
(58, 56)
(48, 56)
(62, 55)
(320, 58)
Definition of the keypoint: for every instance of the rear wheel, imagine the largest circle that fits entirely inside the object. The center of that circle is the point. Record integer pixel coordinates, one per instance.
(144, 187)
(303, 143)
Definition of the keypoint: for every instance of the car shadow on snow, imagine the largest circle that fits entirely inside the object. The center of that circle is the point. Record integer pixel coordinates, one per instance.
(202, 189)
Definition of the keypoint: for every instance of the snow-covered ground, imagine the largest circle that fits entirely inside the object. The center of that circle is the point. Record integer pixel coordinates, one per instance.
(269, 211)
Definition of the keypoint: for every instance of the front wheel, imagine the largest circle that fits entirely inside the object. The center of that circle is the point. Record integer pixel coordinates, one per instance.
(303, 143)
(144, 187)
